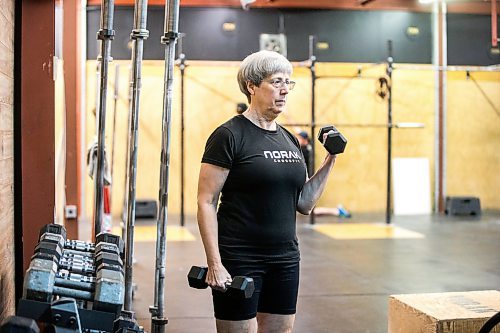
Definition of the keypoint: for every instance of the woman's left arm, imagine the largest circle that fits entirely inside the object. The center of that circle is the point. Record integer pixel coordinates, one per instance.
(314, 186)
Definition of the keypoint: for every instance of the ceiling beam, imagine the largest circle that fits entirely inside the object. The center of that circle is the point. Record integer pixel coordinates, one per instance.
(454, 6)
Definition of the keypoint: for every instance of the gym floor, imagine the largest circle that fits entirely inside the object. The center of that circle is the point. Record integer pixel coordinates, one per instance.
(349, 268)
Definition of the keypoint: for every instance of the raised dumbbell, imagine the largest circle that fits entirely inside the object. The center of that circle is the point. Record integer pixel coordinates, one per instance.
(335, 142)
(240, 287)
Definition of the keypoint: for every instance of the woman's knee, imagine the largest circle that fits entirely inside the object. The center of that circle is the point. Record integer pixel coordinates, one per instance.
(275, 323)
(236, 326)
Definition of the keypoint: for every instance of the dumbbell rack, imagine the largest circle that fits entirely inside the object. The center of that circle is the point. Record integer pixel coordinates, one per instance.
(74, 284)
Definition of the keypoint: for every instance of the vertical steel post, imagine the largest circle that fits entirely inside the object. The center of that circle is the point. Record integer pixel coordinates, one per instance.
(312, 68)
(105, 35)
(138, 35)
(389, 69)
(182, 67)
(158, 321)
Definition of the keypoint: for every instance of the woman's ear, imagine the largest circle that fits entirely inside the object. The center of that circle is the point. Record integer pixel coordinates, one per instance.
(251, 87)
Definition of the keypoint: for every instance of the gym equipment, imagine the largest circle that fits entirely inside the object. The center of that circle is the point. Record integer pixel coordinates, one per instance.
(462, 206)
(490, 324)
(15, 324)
(335, 142)
(52, 271)
(106, 34)
(138, 35)
(169, 38)
(240, 287)
(146, 209)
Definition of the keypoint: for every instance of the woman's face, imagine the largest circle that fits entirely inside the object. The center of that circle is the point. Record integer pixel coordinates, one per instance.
(270, 97)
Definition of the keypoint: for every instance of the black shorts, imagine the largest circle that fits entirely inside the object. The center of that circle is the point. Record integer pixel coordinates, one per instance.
(276, 289)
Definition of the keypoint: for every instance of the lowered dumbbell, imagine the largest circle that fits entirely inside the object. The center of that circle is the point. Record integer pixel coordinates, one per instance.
(335, 142)
(240, 287)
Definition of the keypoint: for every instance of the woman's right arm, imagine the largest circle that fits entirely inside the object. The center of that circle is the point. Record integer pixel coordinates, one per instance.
(210, 183)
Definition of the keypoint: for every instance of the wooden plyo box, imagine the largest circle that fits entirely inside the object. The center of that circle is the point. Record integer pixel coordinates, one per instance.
(456, 312)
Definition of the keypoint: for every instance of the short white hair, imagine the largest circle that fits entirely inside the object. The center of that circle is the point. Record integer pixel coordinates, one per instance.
(258, 66)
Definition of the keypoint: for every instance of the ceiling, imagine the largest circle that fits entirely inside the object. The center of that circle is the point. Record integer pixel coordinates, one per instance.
(453, 6)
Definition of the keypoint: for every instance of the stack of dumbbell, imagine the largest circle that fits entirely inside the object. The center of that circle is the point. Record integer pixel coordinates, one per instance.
(92, 274)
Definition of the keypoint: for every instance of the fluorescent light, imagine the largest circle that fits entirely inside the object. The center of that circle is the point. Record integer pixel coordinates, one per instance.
(425, 1)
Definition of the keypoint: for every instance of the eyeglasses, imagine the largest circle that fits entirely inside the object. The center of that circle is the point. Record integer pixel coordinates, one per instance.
(280, 83)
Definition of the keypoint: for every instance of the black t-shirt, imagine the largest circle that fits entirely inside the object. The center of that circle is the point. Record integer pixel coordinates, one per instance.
(258, 204)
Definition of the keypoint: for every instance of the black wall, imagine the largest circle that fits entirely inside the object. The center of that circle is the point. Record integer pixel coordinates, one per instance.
(353, 36)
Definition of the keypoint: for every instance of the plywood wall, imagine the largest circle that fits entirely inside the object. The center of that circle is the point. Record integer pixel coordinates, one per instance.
(359, 178)
(473, 138)
(6, 159)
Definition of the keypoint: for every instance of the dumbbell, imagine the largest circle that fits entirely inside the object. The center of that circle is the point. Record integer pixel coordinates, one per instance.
(241, 287)
(79, 245)
(111, 239)
(335, 142)
(77, 267)
(109, 289)
(39, 278)
(42, 282)
(67, 279)
(77, 257)
(16, 324)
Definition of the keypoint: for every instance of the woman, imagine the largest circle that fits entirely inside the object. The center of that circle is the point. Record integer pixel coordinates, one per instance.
(257, 169)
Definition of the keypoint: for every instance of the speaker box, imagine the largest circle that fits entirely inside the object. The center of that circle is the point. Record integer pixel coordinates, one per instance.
(145, 209)
(462, 206)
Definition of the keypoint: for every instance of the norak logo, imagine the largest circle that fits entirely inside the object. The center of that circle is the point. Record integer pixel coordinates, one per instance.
(283, 156)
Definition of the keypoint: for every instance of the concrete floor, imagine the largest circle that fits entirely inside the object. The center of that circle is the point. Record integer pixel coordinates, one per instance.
(345, 283)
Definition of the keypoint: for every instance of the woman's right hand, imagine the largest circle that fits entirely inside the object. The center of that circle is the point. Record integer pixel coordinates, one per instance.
(218, 277)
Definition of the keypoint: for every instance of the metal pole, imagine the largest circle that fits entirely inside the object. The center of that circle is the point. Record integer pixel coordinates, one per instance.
(158, 321)
(440, 63)
(182, 67)
(312, 68)
(138, 35)
(390, 61)
(127, 157)
(105, 35)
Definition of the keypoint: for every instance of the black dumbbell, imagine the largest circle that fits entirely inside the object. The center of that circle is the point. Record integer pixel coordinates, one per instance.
(53, 229)
(113, 239)
(15, 324)
(335, 142)
(241, 287)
